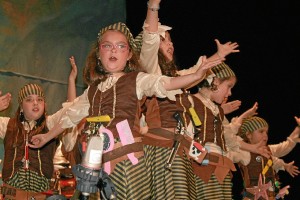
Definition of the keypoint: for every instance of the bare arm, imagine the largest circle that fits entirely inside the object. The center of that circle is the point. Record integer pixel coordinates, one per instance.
(152, 15)
(72, 80)
(248, 113)
(41, 139)
(258, 148)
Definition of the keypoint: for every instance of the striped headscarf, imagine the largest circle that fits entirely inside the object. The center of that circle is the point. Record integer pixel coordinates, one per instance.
(223, 71)
(30, 89)
(251, 124)
(139, 42)
(119, 26)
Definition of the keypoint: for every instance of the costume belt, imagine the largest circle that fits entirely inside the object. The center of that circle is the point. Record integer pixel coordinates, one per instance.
(122, 151)
(218, 165)
(165, 138)
(13, 193)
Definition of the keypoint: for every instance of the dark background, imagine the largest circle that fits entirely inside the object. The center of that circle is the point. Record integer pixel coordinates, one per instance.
(266, 67)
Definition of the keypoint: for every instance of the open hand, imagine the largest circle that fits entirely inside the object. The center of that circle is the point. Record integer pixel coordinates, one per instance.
(292, 169)
(250, 112)
(227, 48)
(4, 101)
(229, 107)
(73, 73)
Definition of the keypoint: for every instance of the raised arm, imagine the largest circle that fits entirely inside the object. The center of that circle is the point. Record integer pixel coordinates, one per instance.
(248, 113)
(287, 146)
(152, 15)
(150, 39)
(224, 49)
(72, 80)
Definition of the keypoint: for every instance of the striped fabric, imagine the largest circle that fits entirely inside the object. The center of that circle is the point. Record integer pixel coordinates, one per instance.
(223, 71)
(29, 180)
(213, 190)
(251, 124)
(119, 26)
(131, 181)
(139, 42)
(178, 183)
(30, 89)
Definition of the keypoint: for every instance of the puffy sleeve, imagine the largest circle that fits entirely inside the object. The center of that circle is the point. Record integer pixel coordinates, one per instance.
(230, 130)
(239, 156)
(278, 164)
(71, 113)
(3, 126)
(191, 69)
(150, 47)
(151, 84)
(282, 148)
(69, 138)
(78, 110)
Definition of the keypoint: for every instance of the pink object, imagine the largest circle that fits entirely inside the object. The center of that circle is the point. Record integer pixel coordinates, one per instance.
(126, 138)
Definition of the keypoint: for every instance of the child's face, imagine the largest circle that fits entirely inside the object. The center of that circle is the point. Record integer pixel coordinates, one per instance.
(259, 135)
(33, 107)
(114, 59)
(223, 91)
(166, 47)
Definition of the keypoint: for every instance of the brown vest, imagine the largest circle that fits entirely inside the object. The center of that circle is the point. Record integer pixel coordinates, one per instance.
(14, 140)
(210, 124)
(254, 168)
(123, 102)
(160, 111)
(161, 122)
(127, 105)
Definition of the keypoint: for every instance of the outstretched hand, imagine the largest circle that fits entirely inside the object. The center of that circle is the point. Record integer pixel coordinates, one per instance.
(229, 107)
(208, 64)
(227, 48)
(292, 169)
(4, 101)
(250, 112)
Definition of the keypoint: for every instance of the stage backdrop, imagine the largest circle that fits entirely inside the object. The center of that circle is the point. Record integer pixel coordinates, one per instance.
(38, 37)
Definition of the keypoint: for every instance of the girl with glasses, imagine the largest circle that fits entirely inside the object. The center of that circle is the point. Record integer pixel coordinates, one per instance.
(117, 89)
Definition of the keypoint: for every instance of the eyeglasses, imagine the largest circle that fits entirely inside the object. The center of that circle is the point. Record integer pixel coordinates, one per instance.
(119, 47)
